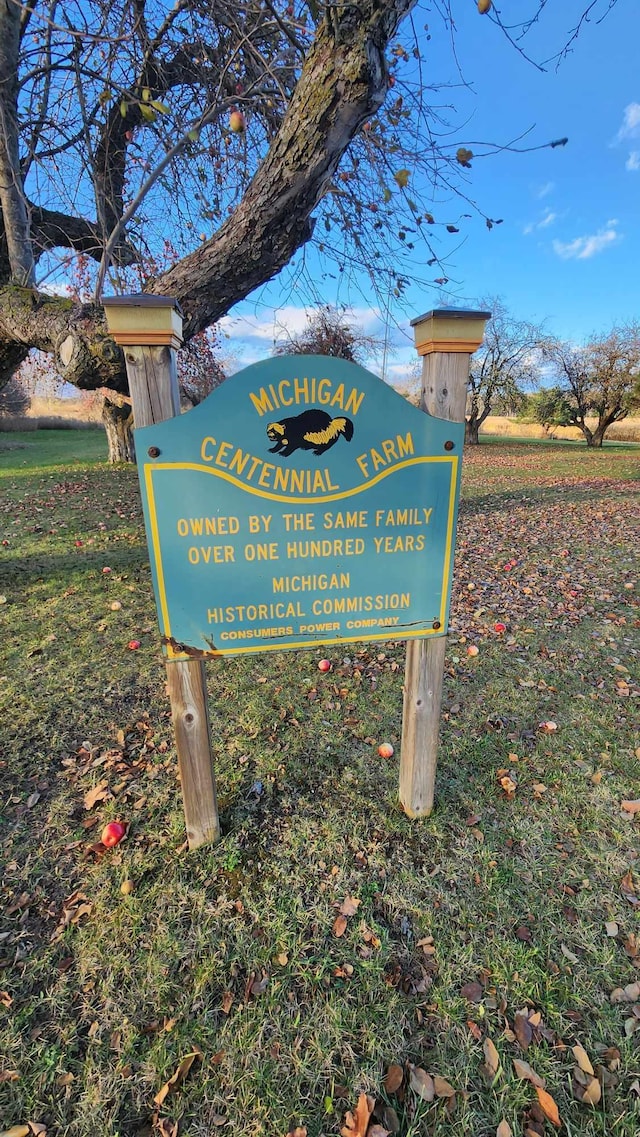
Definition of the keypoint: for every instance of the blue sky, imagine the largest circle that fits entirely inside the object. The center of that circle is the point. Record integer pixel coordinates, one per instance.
(568, 251)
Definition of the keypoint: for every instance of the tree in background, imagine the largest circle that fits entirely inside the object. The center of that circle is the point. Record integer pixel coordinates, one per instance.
(14, 398)
(506, 364)
(549, 408)
(330, 332)
(251, 129)
(200, 367)
(601, 380)
(200, 371)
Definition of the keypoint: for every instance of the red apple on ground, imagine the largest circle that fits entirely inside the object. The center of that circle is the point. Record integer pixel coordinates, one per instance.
(133, 645)
(385, 750)
(113, 833)
(499, 628)
(472, 649)
(324, 665)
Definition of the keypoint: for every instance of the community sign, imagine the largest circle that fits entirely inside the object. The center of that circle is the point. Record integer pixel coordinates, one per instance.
(303, 503)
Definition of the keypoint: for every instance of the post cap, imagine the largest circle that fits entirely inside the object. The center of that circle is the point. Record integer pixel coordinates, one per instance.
(449, 330)
(144, 319)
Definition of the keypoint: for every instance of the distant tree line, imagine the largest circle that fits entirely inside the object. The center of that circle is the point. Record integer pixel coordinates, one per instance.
(590, 386)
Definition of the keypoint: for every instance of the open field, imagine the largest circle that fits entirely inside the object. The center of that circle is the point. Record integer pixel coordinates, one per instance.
(523, 899)
(510, 428)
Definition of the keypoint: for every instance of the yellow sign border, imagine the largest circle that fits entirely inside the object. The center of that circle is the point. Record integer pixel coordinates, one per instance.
(150, 469)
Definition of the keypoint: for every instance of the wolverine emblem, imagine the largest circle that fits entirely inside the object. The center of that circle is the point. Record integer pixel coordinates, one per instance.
(312, 430)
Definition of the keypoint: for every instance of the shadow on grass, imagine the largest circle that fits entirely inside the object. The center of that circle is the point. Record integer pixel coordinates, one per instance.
(499, 500)
(69, 568)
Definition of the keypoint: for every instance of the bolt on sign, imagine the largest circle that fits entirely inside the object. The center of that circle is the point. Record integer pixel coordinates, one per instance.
(303, 503)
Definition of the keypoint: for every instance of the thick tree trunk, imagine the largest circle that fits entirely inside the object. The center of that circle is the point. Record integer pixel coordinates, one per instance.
(343, 82)
(13, 205)
(118, 423)
(472, 432)
(605, 420)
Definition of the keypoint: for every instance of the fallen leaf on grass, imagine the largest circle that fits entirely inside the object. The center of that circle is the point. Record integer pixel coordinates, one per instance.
(525, 1072)
(611, 928)
(548, 1107)
(393, 1079)
(586, 1088)
(340, 926)
(421, 1083)
(442, 1087)
(73, 909)
(9, 1076)
(98, 793)
(176, 1080)
(166, 1127)
(390, 1119)
(257, 986)
(504, 1130)
(631, 806)
(628, 888)
(568, 954)
(356, 1123)
(628, 994)
(5, 999)
(632, 948)
(349, 906)
(227, 1002)
(377, 1131)
(508, 785)
(582, 1058)
(522, 1028)
(16, 1131)
(473, 992)
(491, 1057)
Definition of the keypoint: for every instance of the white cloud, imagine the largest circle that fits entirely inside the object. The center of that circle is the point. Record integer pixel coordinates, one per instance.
(630, 129)
(630, 123)
(581, 248)
(546, 189)
(290, 321)
(548, 218)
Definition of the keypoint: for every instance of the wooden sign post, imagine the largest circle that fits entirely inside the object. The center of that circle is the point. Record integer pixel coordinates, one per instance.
(149, 328)
(304, 503)
(445, 338)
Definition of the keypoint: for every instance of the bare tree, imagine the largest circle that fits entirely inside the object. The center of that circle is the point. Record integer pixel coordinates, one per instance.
(505, 366)
(330, 332)
(600, 380)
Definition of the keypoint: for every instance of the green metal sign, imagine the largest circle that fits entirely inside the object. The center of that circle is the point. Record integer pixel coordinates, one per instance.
(303, 503)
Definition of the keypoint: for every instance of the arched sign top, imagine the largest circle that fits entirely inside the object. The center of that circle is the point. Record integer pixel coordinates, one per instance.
(303, 502)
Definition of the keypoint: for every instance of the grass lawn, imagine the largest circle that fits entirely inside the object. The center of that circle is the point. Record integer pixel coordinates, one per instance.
(494, 931)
